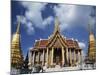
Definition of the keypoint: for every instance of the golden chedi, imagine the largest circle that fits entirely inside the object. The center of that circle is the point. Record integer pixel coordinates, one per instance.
(92, 48)
(16, 53)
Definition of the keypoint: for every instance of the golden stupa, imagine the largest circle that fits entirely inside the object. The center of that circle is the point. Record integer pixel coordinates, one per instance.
(92, 46)
(16, 52)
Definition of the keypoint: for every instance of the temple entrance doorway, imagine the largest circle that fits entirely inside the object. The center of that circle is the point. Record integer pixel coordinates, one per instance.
(57, 56)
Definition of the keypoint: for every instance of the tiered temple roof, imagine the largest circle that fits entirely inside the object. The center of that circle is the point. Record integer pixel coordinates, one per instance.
(43, 43)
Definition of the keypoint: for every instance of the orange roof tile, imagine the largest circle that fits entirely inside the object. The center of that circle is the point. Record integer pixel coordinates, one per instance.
(43, 43)
(70, 43)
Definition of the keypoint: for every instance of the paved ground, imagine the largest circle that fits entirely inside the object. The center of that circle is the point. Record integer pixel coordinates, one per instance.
(59, 69)
(81, 67)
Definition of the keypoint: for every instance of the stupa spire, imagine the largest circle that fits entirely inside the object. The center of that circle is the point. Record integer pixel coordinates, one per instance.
(16, 52)
(89, 26)
(92, 45)
(18, 26)
(56, 25)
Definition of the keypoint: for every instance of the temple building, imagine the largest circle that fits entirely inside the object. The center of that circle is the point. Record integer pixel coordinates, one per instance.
(56, 50)
(16, 52)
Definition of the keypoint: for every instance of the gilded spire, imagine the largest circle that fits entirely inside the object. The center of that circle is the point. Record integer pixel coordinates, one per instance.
(92, 47)
(89, 25)
(90, 30)
(16, 52)
(18, 27)
(56, 25)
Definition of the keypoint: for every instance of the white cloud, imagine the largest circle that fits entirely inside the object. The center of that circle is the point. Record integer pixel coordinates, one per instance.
(63, 27)
(30, 28)
(23, 20)
(69, 15)
(48, 20)
(72, 15)
(82, 45)
(65, 13)
(27, 24)
(33, 12)
(33, 16)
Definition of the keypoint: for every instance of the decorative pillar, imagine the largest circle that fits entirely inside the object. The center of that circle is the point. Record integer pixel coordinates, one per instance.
(67, 54)
(52, 51)
(38, 57)
(43, 58)
(33, 58)
(47, 58)
(63, 60)
(30, 60)
(74, 56)
(79, 57)
(70, 57)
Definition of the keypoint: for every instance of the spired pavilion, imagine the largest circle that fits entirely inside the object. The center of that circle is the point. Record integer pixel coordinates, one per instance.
(56, 50)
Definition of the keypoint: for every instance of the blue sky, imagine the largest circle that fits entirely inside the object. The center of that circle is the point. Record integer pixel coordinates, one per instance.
(38, 21)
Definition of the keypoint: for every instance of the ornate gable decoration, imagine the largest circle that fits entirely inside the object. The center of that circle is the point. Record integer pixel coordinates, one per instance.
(56, 37)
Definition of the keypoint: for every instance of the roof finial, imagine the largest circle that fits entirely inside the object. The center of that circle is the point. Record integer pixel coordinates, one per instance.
(89, 25)
(56, 24)
(18, 26)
